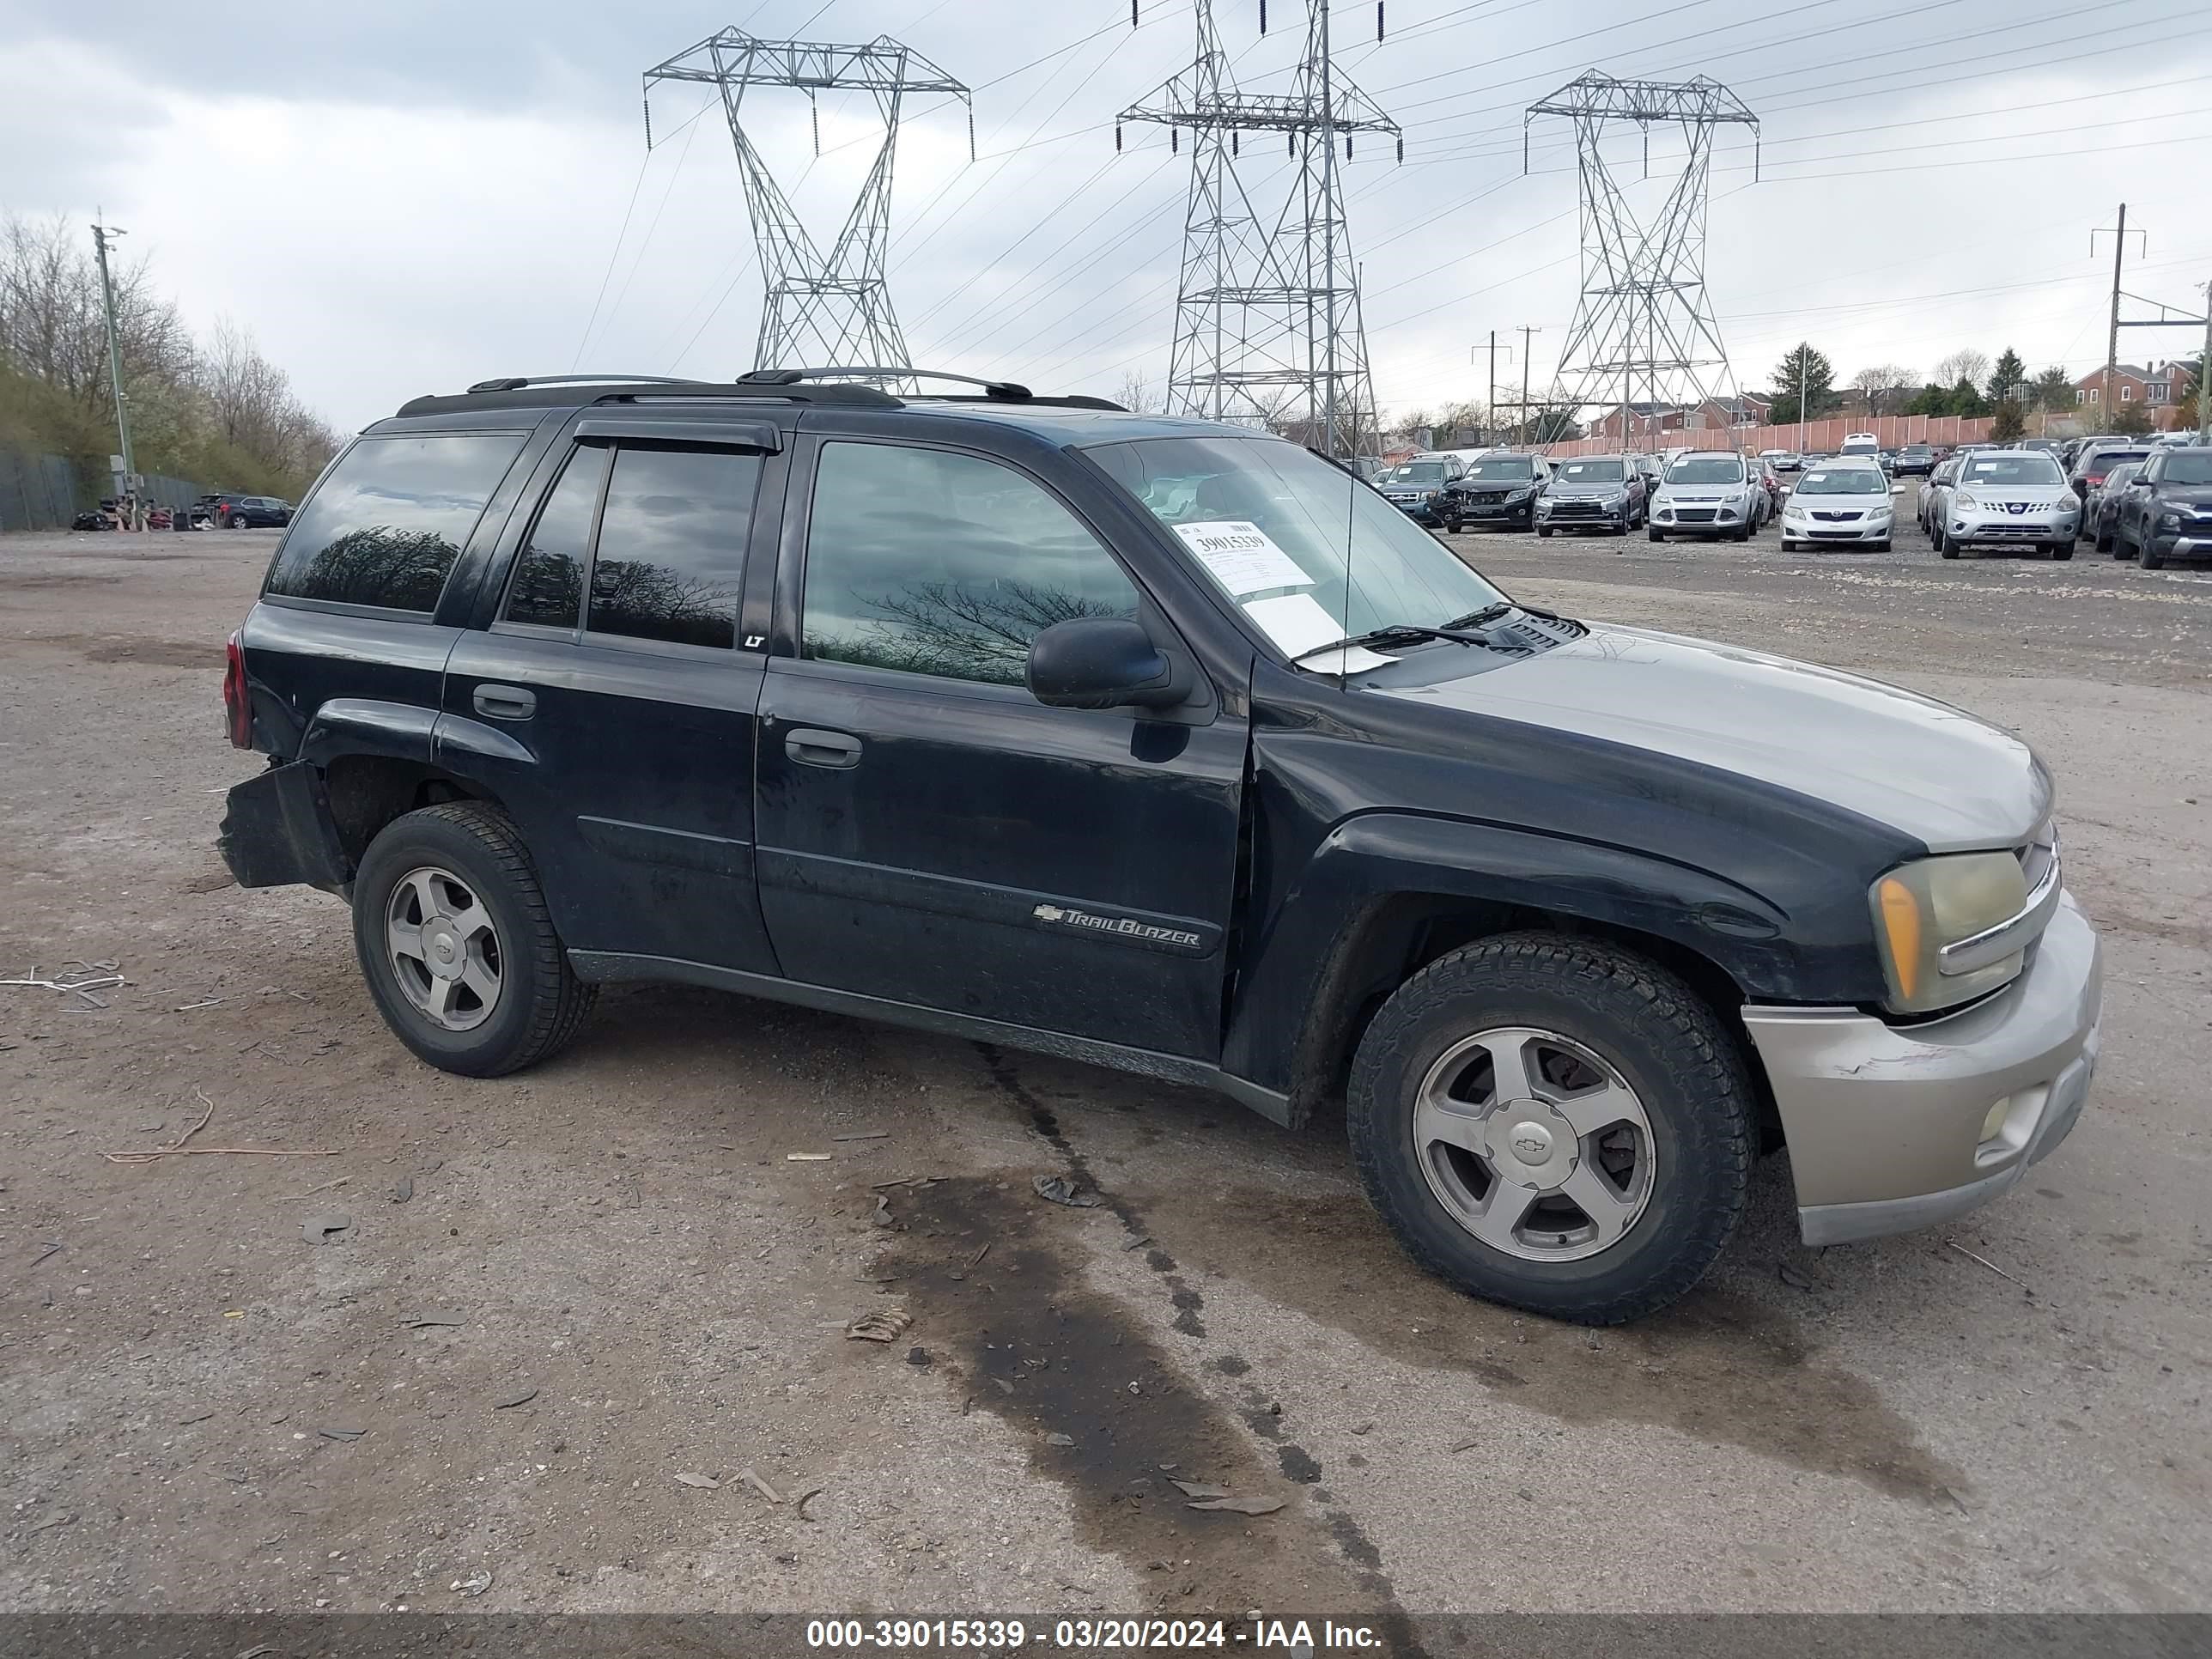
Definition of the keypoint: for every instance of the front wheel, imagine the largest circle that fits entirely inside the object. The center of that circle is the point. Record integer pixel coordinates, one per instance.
(1655, 534)
(2152, 558)
(1788, 545)
(458, 945)
(1451, 527)
(1944, 545)
(2062, 549)
(1554, 1123)
(238, 521)
(1883, 545)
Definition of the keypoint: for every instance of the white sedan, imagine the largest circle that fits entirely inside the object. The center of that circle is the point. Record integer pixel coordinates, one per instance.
(1841, 500)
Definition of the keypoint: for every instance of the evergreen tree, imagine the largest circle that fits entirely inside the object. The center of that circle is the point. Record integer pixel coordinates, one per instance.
(1804, 386)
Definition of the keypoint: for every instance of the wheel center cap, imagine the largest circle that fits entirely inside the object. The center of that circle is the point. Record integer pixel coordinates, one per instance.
(442, 953)
(1530, 1145)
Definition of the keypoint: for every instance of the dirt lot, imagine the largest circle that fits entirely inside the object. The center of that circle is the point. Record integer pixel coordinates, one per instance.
(206, 1409)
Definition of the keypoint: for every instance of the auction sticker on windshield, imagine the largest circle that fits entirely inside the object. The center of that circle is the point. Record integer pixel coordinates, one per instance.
(1240, 555)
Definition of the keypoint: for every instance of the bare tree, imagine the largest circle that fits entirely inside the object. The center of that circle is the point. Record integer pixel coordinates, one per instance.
(1139, 394)
(52, 323)
(1884, 385)
(1965, 364)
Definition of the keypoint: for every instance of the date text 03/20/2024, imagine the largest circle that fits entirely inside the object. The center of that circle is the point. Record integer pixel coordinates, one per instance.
(1293, 1636)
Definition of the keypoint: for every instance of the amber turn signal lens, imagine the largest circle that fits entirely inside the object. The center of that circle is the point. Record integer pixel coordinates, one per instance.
(1901, 917)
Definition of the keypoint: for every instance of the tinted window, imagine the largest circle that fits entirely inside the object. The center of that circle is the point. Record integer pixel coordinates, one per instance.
(388, 522)
(945, 564)
(549, 577)
(672, 552)
(1504, 468)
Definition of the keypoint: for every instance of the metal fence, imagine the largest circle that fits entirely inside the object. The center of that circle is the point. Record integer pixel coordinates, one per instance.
(40, 491)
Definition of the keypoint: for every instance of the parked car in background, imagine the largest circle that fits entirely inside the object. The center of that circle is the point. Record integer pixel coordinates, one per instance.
(1498, 489)
(1789, 460)
(2165, 510)
(1889, 459)
(1861, 443)
(1593, 492)
(2095, 464)
(1845, 500)
(1771, 489)
(1931, 493)
(1416, 488)
(2008, 497)
(1704, 493)
(233, 511)
(2100, 511)
(1914, 460)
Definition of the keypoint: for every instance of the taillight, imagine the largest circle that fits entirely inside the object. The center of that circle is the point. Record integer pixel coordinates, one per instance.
(237, 705)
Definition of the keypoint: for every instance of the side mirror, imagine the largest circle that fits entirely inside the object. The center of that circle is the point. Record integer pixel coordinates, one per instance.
(2139, 479)
(1102, 662)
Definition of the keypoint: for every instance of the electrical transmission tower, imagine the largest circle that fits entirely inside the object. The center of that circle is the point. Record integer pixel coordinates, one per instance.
(818, 311)
(1644, 331)
(1267, 320)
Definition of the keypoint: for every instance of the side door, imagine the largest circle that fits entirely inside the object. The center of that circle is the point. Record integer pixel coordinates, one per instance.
(930, 833)
(609, 704)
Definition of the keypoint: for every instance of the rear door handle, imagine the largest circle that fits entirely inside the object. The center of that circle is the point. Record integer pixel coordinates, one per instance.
(505, 703)
(810, 747)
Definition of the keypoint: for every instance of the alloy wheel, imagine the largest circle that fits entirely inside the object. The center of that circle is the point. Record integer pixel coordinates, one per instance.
(444, 948)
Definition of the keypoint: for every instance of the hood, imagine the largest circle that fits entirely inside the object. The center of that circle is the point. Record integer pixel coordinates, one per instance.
(1925, 769)
(1701, 492)
(1587, 487)
(2042, 495)
(2182, 494)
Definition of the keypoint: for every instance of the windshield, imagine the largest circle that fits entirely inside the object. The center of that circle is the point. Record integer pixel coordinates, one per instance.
(1706, 470)
(2194, 468)
(1591, 472)
(1277, 528)
(1504, 468)
(2025, 466)
(1843, 480)
(2106, 460)
(1418, 472)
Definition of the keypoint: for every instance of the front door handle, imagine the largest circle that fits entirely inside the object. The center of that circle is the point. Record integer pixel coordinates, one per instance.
(505, 703)
(810, 747)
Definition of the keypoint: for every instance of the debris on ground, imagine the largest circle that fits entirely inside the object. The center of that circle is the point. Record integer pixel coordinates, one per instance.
(322, 1229)
(703, 1482)
(752, 1479)
(1364, 1428)
(1199, 1489)
(806, 1157)
(209, 1003)
(1795, 1277)
(885, 1324)
(917, 1356)
(1059, 1190)
(83, 978)
(341, 1431)
(402, 1189)
(882, 1216)
(177, 1145)
(799, 1502)
(521, 1396)
(1059, 1440)
(421, 1321)
(1239, 1505)
(475, 1584)
(1990, 1265)
(293, 1198)
(877, 1134)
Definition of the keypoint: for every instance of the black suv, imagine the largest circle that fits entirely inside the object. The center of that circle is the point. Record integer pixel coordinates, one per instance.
(232, 512)
(1914, 460)
(2165, 511)
(1500, 490)
(1170, 746)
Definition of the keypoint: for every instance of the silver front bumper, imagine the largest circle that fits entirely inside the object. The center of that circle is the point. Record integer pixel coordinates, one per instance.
(1885, 1122)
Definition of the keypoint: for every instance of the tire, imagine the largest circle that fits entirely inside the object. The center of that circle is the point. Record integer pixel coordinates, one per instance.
(1642, 1037)
(1655, 533)
(1544, 532)
(2063, 551)
(1789, 546)
(537, 1004)
(1742, 534)
(1451, 527)
(2151, 557)
(2105, 544)
(1944, 545)
(1883, 545)
(238, 521)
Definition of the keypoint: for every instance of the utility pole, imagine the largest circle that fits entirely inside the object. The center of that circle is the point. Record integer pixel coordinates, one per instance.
(2113, 336)
(1489, 408)
(1328, 224)
(99, 236)
(1803, 346)
(1525, 332)
(2204, 373)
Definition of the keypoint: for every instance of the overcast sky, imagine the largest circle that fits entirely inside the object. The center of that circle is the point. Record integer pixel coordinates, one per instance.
(409, 196)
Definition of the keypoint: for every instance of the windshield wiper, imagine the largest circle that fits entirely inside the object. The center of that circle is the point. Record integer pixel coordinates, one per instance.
(1457, 630)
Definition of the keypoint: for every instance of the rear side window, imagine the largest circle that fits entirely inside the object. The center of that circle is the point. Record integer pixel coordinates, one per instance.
(549, 579)
(386, 524)
(671, 551)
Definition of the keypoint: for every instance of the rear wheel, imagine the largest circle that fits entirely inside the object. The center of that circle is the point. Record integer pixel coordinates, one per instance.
(457, 946)
(1555, 1123)
(238, 521)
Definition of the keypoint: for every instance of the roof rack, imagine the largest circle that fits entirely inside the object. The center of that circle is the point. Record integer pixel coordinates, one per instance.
(812, 385)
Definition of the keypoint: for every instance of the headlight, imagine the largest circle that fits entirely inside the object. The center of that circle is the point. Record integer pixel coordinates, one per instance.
(2169, 522)
(1793, 511)
(1961, 499)
(1921, 908)
(1877, 513)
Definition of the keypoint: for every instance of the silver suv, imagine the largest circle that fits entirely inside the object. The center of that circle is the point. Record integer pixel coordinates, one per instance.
(1705, 492)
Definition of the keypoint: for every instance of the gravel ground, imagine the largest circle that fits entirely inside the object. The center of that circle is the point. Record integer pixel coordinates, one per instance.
(208, 1411)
